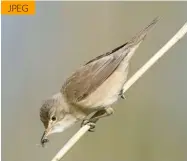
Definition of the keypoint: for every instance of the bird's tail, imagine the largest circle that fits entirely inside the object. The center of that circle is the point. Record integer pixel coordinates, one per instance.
(142, 34)
(134, 42)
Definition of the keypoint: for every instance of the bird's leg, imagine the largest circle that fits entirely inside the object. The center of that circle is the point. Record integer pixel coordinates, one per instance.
(99, 114)
(122, 94)
(92, 122)
(102, 113)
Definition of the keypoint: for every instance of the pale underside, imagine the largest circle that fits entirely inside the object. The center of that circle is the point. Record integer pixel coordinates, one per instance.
(98, 83)
(94, 86)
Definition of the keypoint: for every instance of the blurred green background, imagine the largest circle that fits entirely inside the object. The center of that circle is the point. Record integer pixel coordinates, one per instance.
(40, 51)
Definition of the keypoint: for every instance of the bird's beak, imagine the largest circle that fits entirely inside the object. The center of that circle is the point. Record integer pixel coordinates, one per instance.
(56, 127)
(44, 136)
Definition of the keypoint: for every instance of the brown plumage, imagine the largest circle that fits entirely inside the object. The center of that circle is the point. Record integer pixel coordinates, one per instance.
(90, 76)
(94, 87)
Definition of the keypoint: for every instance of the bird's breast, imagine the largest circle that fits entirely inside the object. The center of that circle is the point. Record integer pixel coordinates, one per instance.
(108, 92)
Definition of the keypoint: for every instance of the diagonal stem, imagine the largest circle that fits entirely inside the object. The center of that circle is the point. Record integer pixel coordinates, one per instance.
(127, 85)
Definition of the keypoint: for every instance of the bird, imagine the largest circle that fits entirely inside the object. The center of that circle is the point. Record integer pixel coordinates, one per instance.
(88, 94)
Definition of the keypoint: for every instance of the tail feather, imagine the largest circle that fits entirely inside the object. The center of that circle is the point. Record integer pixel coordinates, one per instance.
(134, 43)
(142, 34)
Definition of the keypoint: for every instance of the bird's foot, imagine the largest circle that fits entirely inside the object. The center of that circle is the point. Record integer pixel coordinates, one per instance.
(90, 123)
(122, 95)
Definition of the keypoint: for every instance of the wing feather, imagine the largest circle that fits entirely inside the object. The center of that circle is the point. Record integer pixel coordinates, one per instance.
(90, 76)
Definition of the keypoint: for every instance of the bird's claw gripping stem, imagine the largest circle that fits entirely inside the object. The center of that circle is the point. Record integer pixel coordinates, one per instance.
(89, 123)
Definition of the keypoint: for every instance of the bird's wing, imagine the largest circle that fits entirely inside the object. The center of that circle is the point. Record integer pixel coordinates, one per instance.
(90, 76)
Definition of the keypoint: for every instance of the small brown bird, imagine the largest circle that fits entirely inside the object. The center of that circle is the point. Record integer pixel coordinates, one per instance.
(91, 90)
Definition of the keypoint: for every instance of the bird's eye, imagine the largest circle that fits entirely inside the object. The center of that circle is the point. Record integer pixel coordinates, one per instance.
(53, 118)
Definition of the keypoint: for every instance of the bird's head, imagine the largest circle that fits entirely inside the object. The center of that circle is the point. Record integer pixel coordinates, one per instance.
(56, 116)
